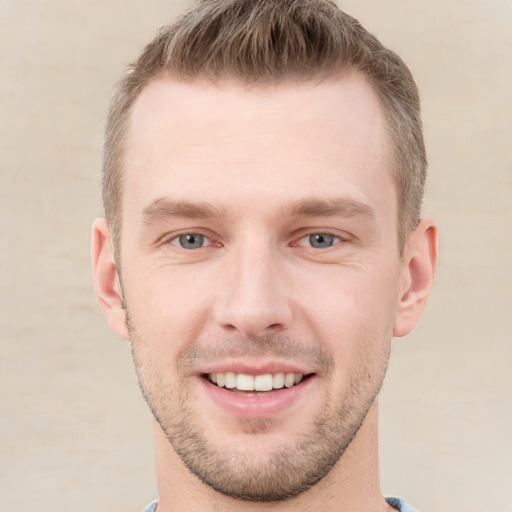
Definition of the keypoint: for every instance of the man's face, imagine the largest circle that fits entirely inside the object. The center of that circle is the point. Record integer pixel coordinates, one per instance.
(259, 249)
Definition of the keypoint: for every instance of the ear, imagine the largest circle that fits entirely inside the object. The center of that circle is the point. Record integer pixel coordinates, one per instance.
(106, 279)
(416, 276)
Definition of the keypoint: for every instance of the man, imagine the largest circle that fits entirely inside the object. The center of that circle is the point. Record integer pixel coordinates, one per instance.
(263, 176)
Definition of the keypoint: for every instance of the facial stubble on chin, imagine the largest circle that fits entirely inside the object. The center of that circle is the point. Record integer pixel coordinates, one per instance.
(288, 470)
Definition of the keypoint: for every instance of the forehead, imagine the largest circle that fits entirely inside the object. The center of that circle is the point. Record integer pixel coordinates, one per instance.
(269, 143)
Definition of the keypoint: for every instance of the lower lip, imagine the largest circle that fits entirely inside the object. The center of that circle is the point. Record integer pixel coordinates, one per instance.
(254, 406)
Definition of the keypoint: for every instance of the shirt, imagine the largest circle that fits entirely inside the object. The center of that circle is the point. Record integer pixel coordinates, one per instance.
(399, 504)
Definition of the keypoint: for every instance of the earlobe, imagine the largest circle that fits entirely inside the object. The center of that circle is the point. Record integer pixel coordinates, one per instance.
(106, 279)
(417, 275)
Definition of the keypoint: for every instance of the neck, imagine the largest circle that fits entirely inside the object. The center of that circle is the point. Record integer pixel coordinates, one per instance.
(352, 484)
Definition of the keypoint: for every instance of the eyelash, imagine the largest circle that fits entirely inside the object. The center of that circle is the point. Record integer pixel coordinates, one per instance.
(175, 240)
(338, 238)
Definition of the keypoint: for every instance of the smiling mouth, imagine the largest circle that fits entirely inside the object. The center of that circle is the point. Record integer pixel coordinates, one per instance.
(259, 383)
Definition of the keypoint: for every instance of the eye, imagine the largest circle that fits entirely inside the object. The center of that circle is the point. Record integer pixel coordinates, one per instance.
(191, 241)
(320, 240)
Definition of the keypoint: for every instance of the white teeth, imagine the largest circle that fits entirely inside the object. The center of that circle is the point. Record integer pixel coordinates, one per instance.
(278, 381)
(230, 380)
(265, 382)
(289, 380)
(244, 382)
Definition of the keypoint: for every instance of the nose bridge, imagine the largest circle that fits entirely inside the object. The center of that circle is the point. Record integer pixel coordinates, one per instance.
(256, 300)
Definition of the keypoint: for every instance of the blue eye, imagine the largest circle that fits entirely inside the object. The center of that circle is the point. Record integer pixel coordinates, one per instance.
(191, 241)
(321, 240)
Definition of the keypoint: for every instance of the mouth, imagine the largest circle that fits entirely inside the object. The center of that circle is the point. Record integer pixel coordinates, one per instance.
(266, 393)
(255, 384)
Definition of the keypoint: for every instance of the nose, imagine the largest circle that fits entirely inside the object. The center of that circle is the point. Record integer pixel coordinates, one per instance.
(254, 299)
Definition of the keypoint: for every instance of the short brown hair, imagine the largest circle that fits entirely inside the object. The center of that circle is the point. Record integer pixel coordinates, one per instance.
(264, 42)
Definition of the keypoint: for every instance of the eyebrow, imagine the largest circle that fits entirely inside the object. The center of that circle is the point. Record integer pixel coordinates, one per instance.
(341, 206)
(164, 208)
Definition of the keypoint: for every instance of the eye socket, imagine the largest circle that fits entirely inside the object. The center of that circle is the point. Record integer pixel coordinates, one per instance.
(191, 241)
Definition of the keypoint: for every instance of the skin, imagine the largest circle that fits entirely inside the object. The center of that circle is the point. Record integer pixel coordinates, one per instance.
(257, 172)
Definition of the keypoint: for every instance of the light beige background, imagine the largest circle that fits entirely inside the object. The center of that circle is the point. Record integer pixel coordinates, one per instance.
(74, 433)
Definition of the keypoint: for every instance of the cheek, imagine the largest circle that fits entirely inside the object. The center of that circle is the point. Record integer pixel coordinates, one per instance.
(353, 315)
(354, 296)
(165, 308)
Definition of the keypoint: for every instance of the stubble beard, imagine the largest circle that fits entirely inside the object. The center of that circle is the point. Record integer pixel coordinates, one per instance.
(241, 473)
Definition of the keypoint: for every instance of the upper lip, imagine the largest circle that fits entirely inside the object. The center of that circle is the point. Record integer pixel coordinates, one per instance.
(252, 368)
